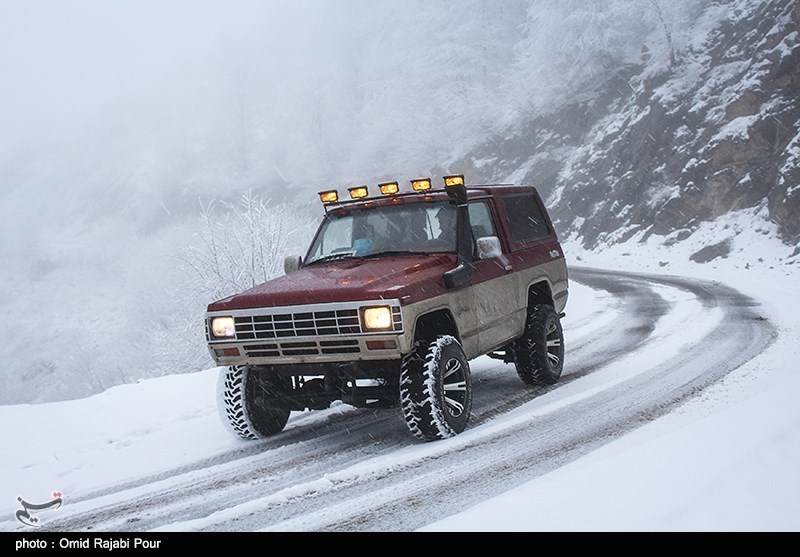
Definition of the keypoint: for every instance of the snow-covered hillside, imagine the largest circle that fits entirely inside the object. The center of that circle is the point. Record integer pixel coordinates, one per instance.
(662, 148)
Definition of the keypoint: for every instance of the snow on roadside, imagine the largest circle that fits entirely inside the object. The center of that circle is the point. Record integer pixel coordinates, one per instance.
(125, 432)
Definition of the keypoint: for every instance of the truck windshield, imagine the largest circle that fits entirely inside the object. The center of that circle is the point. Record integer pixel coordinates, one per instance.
(386, 230)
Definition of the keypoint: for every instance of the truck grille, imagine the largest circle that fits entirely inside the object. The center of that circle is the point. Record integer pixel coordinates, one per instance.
(335, 322)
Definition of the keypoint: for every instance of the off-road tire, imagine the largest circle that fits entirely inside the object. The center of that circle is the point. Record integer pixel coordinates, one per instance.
(241, 407)
(539, 352)
(436, 389)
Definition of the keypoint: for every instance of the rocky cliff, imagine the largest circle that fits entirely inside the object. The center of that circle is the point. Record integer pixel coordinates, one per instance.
(659, 152)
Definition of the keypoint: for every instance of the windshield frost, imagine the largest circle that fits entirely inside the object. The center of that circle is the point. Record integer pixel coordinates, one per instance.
(406, 228)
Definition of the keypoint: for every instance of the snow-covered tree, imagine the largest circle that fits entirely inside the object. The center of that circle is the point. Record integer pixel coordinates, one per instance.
(572, 47)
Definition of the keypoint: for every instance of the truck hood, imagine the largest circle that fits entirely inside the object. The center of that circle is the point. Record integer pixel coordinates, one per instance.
(409, 278)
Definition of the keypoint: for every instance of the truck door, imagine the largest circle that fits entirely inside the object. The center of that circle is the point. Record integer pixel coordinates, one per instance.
(495, 287)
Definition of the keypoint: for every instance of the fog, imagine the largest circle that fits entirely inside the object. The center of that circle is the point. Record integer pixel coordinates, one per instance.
(69, 59)
(121, 119)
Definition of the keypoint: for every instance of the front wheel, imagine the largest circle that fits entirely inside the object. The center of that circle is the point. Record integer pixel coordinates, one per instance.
(436, 389)
(539, 352)
(246, 404)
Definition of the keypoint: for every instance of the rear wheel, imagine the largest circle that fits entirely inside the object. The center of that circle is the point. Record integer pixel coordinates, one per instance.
(436, 389)
(247, 403)
(539, 352)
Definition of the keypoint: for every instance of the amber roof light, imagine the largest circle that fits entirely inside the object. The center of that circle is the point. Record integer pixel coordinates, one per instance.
(359, 192)
(331, 196)
(423, 184)
(389, 188)
(453, 181)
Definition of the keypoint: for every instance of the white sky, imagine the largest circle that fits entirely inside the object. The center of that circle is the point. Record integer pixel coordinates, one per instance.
(65, 62)
(724, 461)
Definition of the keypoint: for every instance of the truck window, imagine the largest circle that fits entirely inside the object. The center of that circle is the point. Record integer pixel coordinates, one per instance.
(525, 218)
(338, 237)
(481, 219)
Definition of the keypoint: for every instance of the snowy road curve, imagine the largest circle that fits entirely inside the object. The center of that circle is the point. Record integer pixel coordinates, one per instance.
(648, 343)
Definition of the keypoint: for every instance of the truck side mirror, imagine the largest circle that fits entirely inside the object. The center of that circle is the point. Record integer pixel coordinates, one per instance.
(489, 247)
(292, 263)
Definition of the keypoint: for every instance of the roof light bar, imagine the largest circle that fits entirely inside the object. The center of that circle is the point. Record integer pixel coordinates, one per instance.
(391, 188)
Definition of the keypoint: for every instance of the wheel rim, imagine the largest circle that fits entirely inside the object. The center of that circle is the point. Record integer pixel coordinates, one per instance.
(553, 339)
(454, 383)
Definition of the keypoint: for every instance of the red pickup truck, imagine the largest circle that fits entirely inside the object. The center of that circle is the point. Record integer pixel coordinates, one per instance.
(397, 293)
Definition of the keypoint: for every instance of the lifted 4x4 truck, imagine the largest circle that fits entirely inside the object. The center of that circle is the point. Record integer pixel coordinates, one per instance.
(396, 295)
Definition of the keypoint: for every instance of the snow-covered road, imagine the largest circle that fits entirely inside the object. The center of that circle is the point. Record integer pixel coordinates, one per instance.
(637, 345)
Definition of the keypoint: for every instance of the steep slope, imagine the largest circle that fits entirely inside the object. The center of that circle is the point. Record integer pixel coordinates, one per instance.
(660, 151)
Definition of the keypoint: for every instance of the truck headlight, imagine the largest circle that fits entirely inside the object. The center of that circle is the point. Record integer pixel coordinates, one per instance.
(223, 327)
(377, 318)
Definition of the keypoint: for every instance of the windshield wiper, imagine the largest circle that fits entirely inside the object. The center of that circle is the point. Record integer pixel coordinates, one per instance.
(335, 257)
(396, 252)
